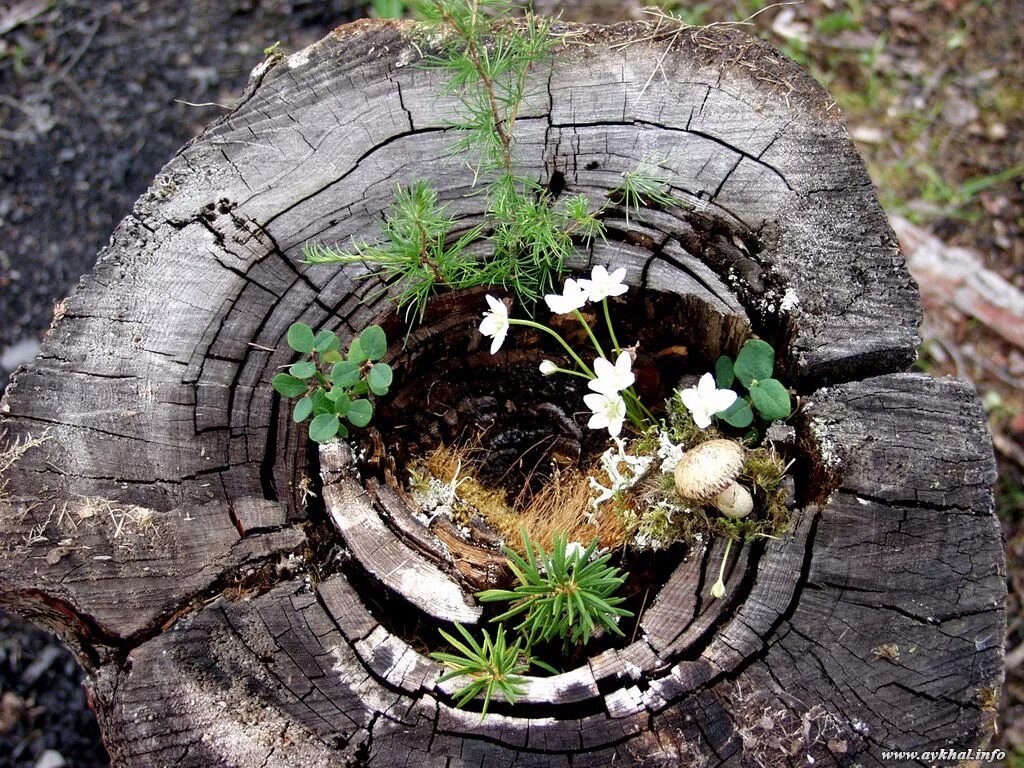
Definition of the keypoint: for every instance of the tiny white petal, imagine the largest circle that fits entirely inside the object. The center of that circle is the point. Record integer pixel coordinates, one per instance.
(547, 367)
(573, 297)
(705, 400)
(721, 400)
(608, 411)
(495, 324)
(601, 285)
(612, 379)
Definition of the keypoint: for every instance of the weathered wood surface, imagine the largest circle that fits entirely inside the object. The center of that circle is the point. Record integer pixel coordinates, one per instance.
(165, 527)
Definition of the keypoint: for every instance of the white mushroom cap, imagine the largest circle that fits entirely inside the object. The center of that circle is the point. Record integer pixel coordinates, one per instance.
(707, 474)
(707, 470)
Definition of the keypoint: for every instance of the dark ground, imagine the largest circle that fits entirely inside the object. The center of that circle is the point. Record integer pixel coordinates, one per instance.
(933, 91)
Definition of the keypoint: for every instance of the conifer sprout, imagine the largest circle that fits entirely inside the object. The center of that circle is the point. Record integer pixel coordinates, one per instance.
(487, 58)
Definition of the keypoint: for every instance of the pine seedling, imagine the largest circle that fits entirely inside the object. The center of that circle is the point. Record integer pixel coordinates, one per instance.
(642, 187)
(413, 254)
(494, 667)
(563, 594)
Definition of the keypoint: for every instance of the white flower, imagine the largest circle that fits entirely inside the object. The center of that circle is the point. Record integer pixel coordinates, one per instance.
(612, 379)
(572, 297)
(601, 285)
(495, 323)
(574, 548)
(608, 411)
(547, 367)
(706, 399)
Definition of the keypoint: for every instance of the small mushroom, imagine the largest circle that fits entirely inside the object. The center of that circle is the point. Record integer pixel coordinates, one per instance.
(707, 475)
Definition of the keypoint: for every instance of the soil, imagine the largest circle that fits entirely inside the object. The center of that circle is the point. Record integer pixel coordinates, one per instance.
(91, 107)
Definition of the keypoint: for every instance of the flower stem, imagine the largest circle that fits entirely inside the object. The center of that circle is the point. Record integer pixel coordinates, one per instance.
(571, 373)
(565, 345)
(611, 330)
(590, 333)
(718, 590)
(641, 408)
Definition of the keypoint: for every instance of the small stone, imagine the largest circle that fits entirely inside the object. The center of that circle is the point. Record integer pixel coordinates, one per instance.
(997, 131)
(958, 111)
(867, 134)
(51, 758)
(56, 554)
(18, 353)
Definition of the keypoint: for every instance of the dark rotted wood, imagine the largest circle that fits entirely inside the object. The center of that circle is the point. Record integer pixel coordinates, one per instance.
(168, 525)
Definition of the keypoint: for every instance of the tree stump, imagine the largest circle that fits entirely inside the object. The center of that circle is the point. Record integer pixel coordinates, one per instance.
(239, 599)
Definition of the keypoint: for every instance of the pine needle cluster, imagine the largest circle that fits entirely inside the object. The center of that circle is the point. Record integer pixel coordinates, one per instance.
(489, 61)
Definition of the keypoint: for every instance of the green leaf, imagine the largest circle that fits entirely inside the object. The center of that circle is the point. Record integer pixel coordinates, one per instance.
(331, 357)
(342, 402)
(342, 430)
(724, 376)
(361, 387)
(345, 374)
(324, 427)
(755, 361)
(374, 342)
(356, 353)
(300, 338)
(289, 386)
(380, 378)
(360, 413)
(326, 341)
(320, 402)
(771, 399)
(303, 409)
(738, 414)
(302, 370)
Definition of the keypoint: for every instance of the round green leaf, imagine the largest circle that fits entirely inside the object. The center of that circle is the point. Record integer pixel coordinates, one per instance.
(303, 409)
(302, 370)
(324, 427)
(356, 354)
(341, 401)
(288, 386)
(300, 338)
(360, 413)
(374, 342)
(326, 341)
(345, 374)
(380, 378)
(771, 399)
(755, 361)
(320, 402)
(724, 376)
(738, 414)
(331, 356)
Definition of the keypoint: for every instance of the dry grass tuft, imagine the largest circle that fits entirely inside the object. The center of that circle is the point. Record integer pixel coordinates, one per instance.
(13, 452)
(561, 506)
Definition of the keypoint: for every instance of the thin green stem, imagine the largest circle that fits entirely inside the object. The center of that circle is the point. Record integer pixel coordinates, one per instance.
(571, 373)
(718, 590)
(611, 330)
(631, 395)
(590, 333)
(565, 345)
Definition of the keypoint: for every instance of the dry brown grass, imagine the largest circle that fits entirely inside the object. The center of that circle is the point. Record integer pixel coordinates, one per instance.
(561, 506)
